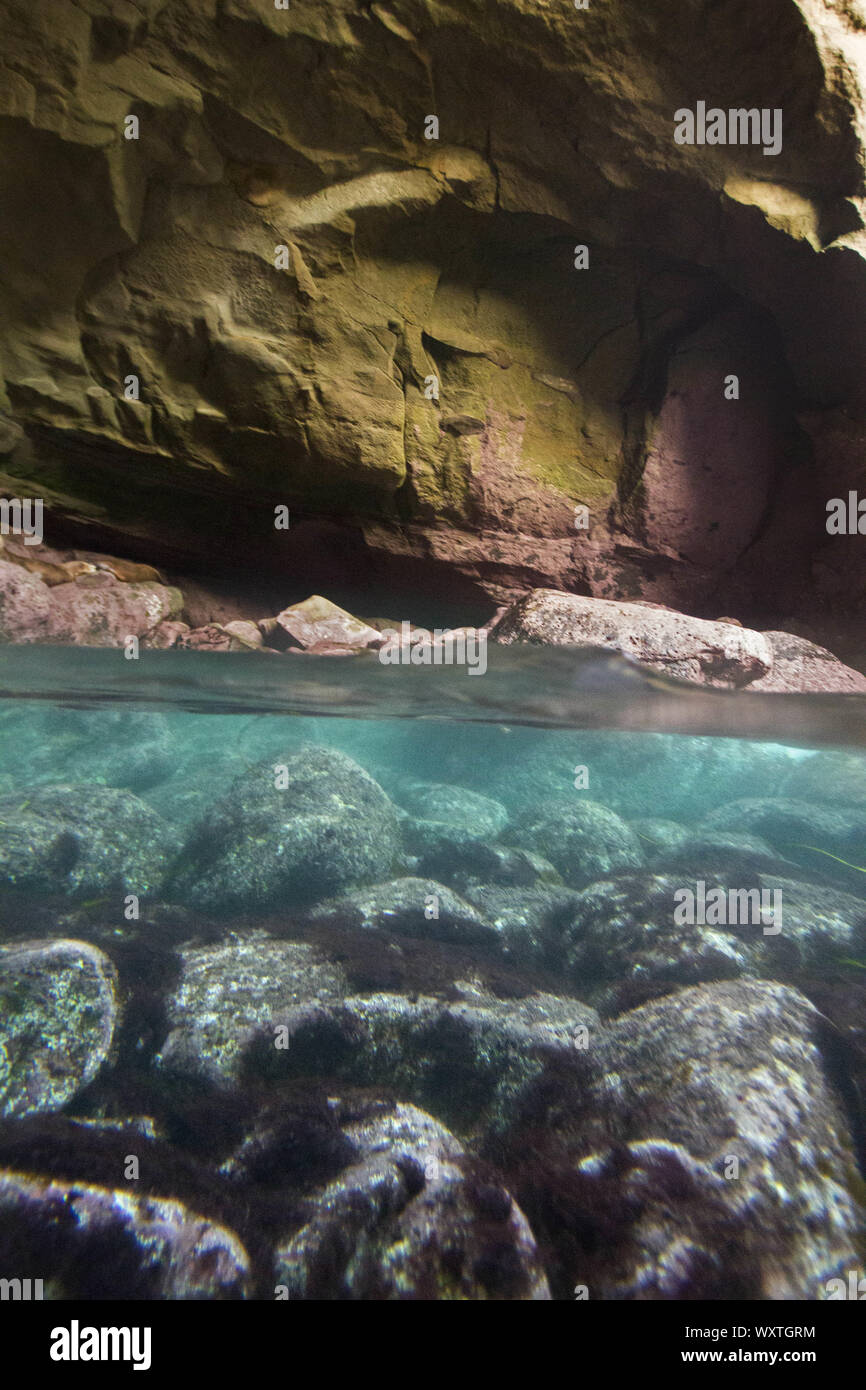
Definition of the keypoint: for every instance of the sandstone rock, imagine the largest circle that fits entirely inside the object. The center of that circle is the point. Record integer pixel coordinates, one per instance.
(94, 611)
(317, 621)
(690, 648)
(430, 288)
(57, 1021)
(801, 665)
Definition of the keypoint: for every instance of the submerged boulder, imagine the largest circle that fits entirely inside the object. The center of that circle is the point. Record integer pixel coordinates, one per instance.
(286, 834)
(80, 839)
(237, 994)
(100, 1243)
(739, 1150)
(58, 1012)
(411, 1217)
(582, 839)
(624, 933)
(409, 907)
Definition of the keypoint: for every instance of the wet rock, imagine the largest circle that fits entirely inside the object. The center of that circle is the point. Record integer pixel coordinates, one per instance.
(659, 835)
(477, 863)
(58, 1012)
(95, 610)
(689, 648)
(409, 907)
(236, 994)
(317, 621)
(833, 777)
(754, 1199)
(815, 836)
(80, 840)
(410, 1218)
(821, 927)
(583, 840)
(801, 665)
(717, 851)
(530, 920)
(475, 815)
(624, 933)
(96, 1243)
(471, 1061)
(287, 834)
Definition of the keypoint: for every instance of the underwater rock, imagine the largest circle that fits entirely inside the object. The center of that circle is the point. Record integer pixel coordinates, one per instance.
(409, 907)
(832, 776)
(411, 1218)
(99, 1243)
(716, 851)
(731, 1073)
(287, 834)
(689, 648)
(58, 1012)
(79, 840)
(659, 835)
(640, 776)
(582, 839)
(477, 864)
(470, 1060)
(624, 933)
(801, 665)
(530, 920)
(237, 993)
(474, 815)
(821, 927)
(814, 836)
(444, 824)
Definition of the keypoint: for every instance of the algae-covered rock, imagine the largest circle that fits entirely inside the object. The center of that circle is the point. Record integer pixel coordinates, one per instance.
(238, 993)
(99, 1243)
(81, 840)
(409, 907)
(731, 1075)
(286, 834)
(583, 840)
(411, 1217)
(58, 1012)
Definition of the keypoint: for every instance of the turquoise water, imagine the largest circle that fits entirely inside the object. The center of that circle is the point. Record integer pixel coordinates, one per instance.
(404, 984)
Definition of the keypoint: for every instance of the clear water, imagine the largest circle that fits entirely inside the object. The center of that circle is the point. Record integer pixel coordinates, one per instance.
(414, 984)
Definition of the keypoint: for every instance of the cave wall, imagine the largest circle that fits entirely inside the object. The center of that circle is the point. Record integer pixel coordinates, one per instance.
(409, 258)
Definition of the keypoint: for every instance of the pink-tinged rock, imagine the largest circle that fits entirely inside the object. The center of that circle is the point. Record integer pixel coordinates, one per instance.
(157, 1247)
(211, 638)
(167, 635)
(689, 648)
(318, 620)
(324, 649)
(799, 665)
(95, 610)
